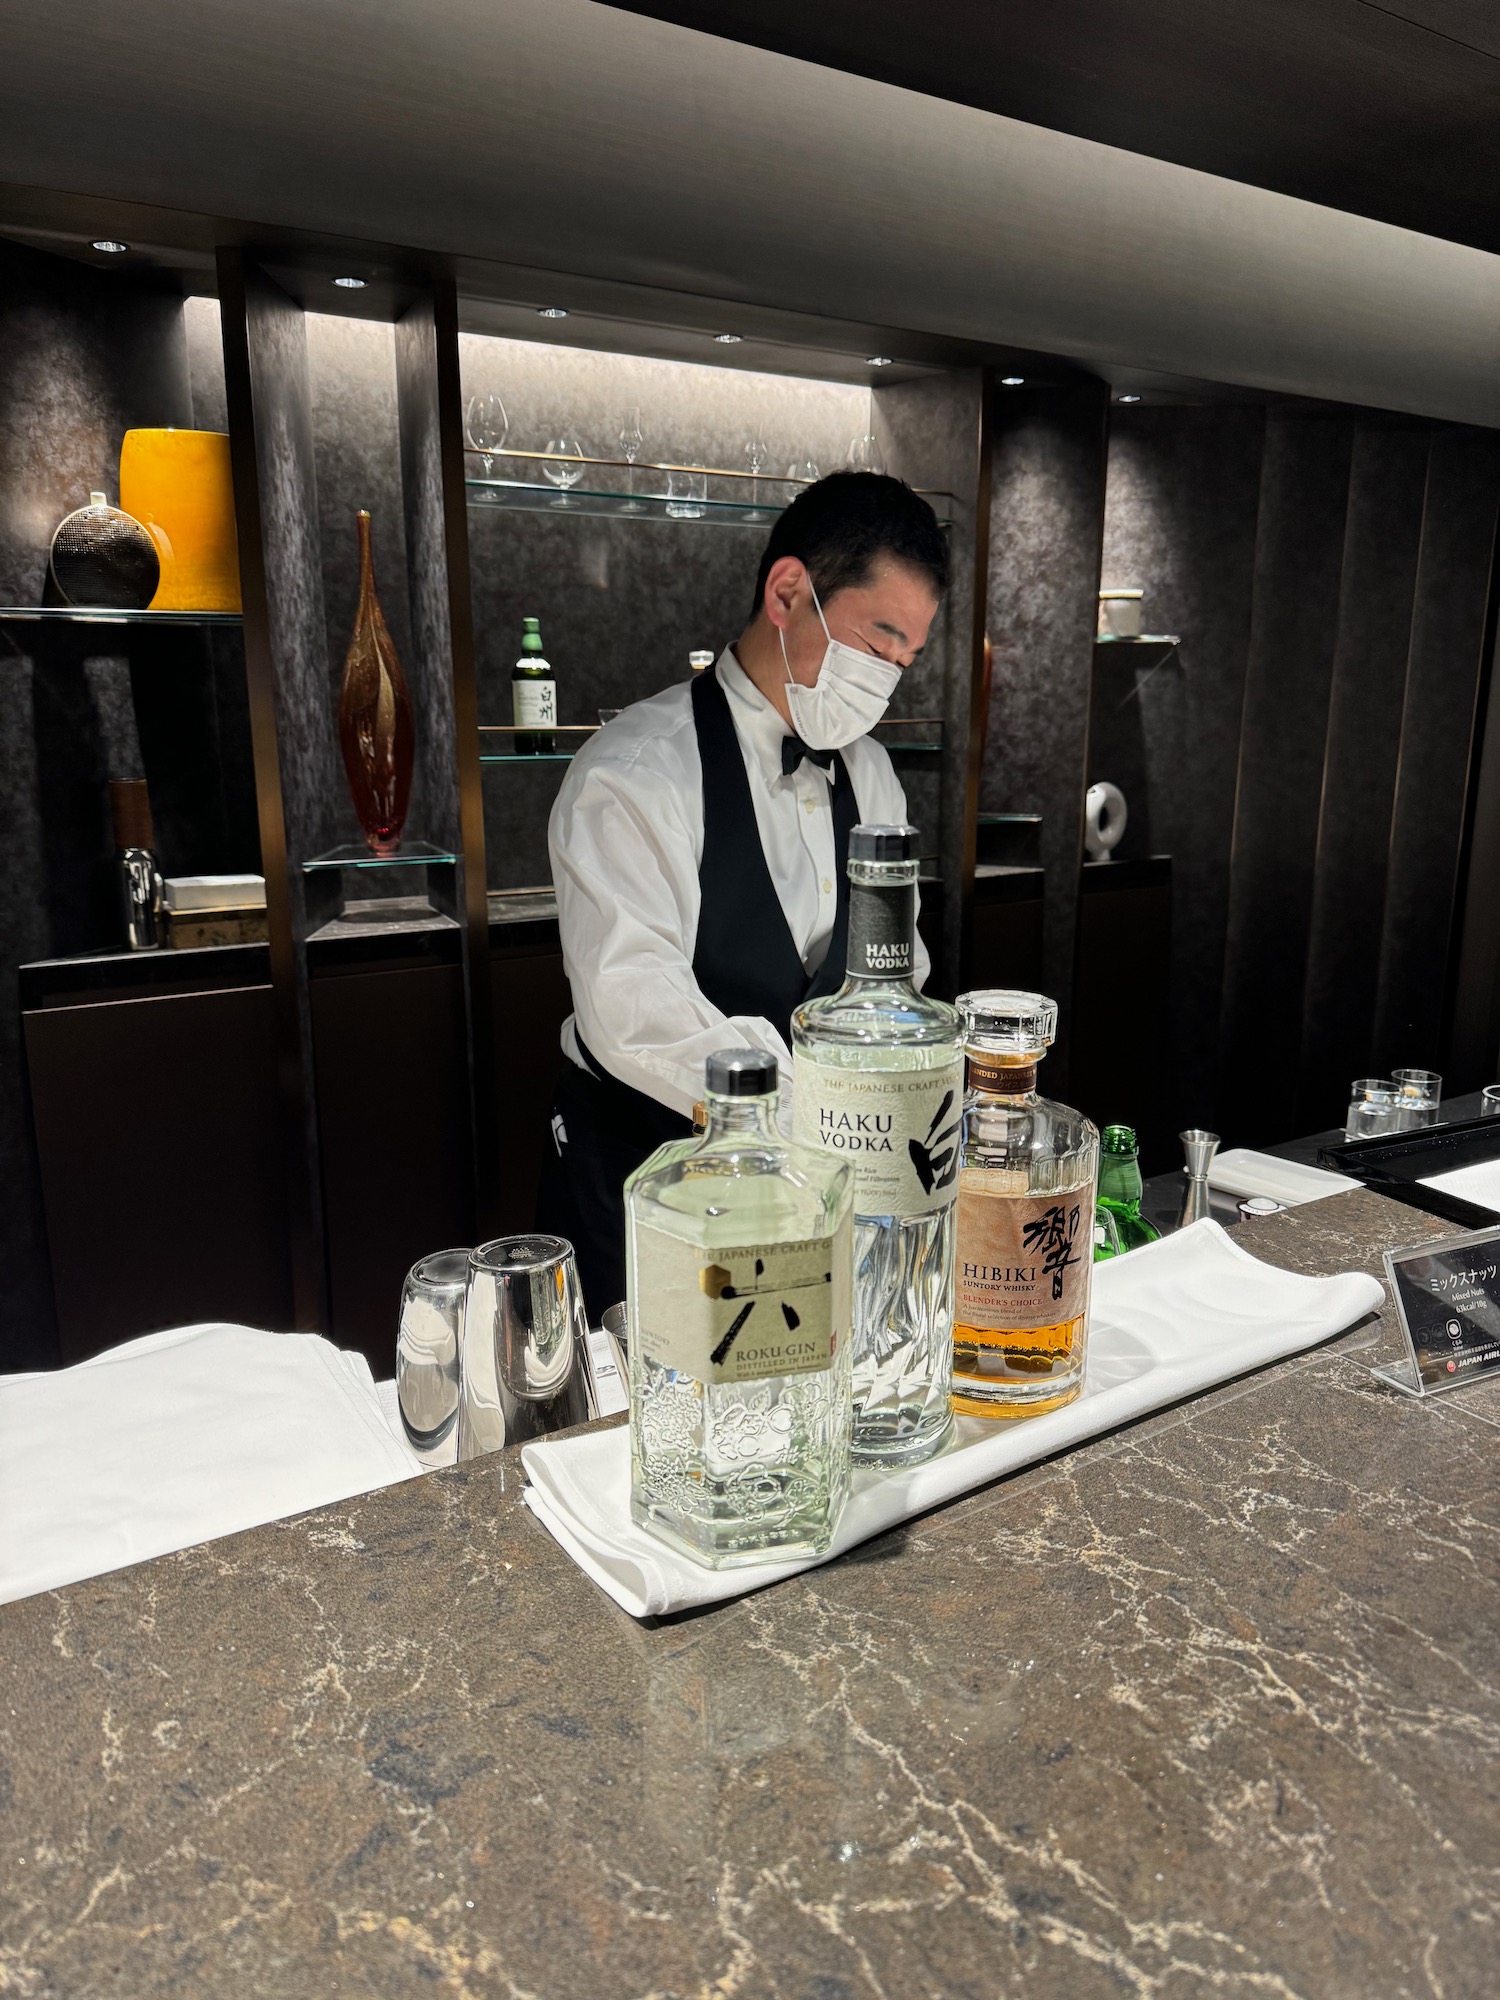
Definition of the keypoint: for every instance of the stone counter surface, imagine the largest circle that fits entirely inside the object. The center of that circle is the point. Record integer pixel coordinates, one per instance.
(1210, 1706)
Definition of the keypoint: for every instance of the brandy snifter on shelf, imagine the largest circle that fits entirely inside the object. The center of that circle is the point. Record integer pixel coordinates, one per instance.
(1026, 1198)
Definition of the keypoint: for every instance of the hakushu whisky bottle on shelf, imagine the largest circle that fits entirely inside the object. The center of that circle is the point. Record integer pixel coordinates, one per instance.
(877, 1077)
(533, 695)
(740, 1272)
(1120, 1189)
(1026, 1199)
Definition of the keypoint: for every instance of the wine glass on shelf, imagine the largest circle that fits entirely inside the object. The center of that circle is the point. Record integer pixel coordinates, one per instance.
(563, 465)
(486, 427)
(803, 472)
(757, 451)
(632, 437)
(865, 455)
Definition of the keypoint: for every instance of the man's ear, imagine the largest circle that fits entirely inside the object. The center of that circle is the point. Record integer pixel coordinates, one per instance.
(784, 582)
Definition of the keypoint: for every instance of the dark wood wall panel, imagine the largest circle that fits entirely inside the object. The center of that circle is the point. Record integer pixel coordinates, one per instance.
(1448, 628)
(1180, 521)
(393, 1115)
(1294, 628)
(158, 1135)
(1046, 528)
(1387, 489)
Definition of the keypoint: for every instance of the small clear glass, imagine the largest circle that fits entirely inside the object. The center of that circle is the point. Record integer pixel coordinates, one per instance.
(1489, 1101)
(525, 1344)
(564, 464)
(428, 1344)
(1421, 1095)
(757, 451)
(1374, 1107)
(632, 437)
(865, 455)
(804, 471)
(687, 493)
(608, 715)
(486, 427)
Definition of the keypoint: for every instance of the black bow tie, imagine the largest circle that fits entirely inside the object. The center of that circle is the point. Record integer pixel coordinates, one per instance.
(793, 750)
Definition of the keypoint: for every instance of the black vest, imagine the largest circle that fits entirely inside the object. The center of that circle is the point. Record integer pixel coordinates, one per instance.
(745, 959)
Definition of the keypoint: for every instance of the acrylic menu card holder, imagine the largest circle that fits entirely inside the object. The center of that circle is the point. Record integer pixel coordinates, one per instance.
(1448, 1296)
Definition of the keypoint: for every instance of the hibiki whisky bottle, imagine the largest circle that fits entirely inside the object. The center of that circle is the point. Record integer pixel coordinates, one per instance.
(877, 1079)
(740, 1261)
(1026, 1201)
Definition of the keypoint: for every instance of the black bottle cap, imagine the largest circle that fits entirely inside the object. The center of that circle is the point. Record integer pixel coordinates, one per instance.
(741, 1073)
(883, 843)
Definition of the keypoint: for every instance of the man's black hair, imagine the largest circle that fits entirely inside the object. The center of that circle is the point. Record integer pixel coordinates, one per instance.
(842, 526)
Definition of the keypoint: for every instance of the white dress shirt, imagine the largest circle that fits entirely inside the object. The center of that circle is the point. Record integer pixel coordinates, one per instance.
(626, 841)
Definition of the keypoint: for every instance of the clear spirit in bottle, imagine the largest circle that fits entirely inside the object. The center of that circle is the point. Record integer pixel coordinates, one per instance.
(740, 1273)
(533, 695)
(1120, 1188)
(877, 1076)
(1026, 1201)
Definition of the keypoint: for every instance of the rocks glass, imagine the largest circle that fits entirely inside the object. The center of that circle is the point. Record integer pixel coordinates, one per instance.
(427, 1354)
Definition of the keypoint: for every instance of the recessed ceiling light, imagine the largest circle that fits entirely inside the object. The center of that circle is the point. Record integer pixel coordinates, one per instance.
(878, 361)
(1011, 381)
(109, 246)
(1130, 399)
(351, 284)
(728, 339)
(552, 312)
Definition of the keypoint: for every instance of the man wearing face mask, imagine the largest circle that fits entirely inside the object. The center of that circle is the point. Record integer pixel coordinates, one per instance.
(699, 844)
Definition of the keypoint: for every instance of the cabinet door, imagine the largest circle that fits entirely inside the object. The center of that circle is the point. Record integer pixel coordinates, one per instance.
(391, 1059)
(160, 1154)
(531, 1002)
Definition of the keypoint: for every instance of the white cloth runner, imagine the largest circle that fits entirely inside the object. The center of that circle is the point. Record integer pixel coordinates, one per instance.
(1242, 1172)
(1168, 1320)
(1479, 1184)
(176, 1438)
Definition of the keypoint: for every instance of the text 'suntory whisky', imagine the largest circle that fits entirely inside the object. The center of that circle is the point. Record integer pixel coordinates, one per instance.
(740, 1266)
(1027, 1191)
(877, 1080)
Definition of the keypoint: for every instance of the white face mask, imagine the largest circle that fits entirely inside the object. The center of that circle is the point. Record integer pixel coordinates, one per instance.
(847, 699)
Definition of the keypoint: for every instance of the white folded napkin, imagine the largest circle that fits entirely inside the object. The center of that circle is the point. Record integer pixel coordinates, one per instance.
(1241, 1172)
(1168, 1320)
(177, 1438)
(1479, 1184)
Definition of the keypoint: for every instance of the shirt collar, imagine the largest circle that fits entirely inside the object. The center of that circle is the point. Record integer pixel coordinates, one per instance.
(757, 721)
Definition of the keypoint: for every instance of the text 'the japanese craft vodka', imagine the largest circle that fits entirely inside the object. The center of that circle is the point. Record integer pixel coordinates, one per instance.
(877, 1080)
(740, 1261)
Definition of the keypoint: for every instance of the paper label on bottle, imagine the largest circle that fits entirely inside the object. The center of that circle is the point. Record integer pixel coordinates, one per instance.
(901, 1130)
(742, 1314)
(534, 703)
(1024, 1260)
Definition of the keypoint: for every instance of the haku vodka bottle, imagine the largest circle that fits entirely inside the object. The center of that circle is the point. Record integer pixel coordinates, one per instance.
(878, 1081)
(1026, 1201)
(533, 694)
(740, 1272)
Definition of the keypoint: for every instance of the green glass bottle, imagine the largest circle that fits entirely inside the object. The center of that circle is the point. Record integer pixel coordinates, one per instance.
(533, 694)
(1120, 1187)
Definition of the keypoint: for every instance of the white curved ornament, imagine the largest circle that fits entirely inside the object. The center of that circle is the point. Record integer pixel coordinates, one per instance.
(1105, 818)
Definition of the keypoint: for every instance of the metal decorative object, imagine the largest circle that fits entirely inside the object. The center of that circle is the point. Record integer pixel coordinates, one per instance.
(102, 558)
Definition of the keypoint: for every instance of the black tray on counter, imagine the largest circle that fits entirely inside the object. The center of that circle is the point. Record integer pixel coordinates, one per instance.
(1395, 1164)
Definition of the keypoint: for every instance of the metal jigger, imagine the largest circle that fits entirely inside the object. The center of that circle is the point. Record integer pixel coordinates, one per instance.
(1199, 1147)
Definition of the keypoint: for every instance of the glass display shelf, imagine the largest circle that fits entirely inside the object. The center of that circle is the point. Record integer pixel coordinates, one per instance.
(410, 854)
(751, 499)
(898, 746)
(103, 614)
(1140, 639)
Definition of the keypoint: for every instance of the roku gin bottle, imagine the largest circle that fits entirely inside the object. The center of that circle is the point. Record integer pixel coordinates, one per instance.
(740, 1258)
(1025, 1219)
(878, 1081)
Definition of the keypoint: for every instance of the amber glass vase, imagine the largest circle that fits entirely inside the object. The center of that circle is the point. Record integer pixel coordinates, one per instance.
(375, 731)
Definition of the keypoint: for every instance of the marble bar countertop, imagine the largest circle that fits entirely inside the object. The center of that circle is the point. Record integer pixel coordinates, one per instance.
(1210, 1706)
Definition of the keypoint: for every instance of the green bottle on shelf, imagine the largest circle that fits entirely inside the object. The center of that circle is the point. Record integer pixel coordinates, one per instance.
(1120, 1188)
(533, 695)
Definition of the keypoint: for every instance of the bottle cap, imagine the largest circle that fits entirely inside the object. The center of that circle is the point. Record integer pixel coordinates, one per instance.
(130, 808)
(531, 635)
(699, 659)
(1008, 1023)
(1117, 1139)
(741, 1073)
(883, 843)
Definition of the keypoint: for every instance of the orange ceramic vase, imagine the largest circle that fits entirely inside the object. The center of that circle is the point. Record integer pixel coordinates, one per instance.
(375, 732)
(177, 484)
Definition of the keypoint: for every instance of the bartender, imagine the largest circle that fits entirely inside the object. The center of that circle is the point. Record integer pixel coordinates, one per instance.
(699, 845)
